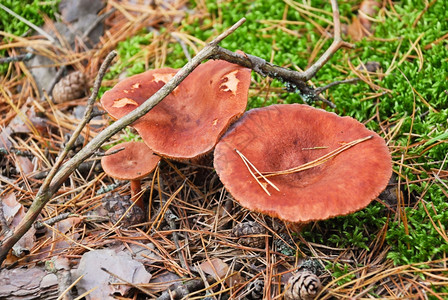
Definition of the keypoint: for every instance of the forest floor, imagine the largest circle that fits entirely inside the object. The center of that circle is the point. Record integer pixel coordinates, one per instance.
(395, 248)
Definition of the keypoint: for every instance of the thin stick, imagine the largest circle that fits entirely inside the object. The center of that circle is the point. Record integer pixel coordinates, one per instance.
(335, 46)
(52, 186)
(319, 160)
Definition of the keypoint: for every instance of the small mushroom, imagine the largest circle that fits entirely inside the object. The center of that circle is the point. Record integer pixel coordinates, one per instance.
(281, 137)
(189, 122)
(132, 163)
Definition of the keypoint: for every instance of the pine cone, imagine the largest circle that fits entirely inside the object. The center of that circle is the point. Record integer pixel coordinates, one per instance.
(70, 87)
(250, 233)
(117, 205)
(304, 285)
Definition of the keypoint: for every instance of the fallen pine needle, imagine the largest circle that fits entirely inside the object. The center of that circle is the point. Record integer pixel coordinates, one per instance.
(248, 165)
(317, 161)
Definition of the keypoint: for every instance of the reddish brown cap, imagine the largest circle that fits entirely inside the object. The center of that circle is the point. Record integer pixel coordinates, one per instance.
(135, 161)
(281, 137)
(189, 121)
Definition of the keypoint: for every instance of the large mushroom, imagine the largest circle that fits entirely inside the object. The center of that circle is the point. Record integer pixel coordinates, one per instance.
(189, 122)
(356, 168)
(130, 161)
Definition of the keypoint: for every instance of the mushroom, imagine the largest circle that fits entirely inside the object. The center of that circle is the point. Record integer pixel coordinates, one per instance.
(132, 163)
(281, 137)
(189, 122)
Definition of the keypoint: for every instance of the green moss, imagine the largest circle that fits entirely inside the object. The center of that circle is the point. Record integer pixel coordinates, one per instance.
(32, 10)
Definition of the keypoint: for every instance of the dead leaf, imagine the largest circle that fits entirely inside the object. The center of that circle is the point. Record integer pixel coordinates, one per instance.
(10, 207)
(58, 243)
(123, 102)
(27, 121)
(368, 9)
(24, 164)
(101, 284)
(361, 25)
(4, 138)
(215, 267)
(355, 30)
(14, 213)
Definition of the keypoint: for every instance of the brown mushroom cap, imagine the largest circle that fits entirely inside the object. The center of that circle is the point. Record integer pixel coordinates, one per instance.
(189, 121)
(280, 137)
(135, 161)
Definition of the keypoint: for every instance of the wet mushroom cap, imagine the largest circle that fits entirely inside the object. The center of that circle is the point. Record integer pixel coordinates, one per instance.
(280, 137)
(135, 161)
(189, 121)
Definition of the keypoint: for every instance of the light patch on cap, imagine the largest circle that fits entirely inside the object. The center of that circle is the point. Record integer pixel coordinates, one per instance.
(165, 77)
(122, 102)
(215, 121)
(231, 84)
(136, 85)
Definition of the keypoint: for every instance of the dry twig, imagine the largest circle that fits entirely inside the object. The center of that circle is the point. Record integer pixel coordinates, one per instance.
(58, 175)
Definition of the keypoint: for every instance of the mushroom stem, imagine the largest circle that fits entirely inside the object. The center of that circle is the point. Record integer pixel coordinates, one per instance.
(136, 188)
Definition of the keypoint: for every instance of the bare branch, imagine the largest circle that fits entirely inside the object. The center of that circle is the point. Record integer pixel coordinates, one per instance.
(335, 46)
(294, 81)
(52, 185)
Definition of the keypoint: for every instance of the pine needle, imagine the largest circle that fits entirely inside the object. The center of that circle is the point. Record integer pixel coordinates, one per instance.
(319, 160)
(249, 165)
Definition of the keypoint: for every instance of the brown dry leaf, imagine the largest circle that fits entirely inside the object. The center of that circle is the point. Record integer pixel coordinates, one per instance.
(355, 30)
(14, 213)
(101, 284)
(24, 164)
(215, 268)
(368, 9)
(10, 207)
(4, 138)
(27, 121)
(58, 243)
(123, 102)
(361, 25)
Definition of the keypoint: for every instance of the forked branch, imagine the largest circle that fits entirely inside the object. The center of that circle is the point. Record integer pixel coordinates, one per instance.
(59, 175)
(294, 81)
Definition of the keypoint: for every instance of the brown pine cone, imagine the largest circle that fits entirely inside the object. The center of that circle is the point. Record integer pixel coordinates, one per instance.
(70, 87)
(117, 205)
(304, 285)
(250, 234)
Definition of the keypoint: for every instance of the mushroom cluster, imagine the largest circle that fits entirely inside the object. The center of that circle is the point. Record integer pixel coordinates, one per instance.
(185, 125)
(293, 162)
(189, 122)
